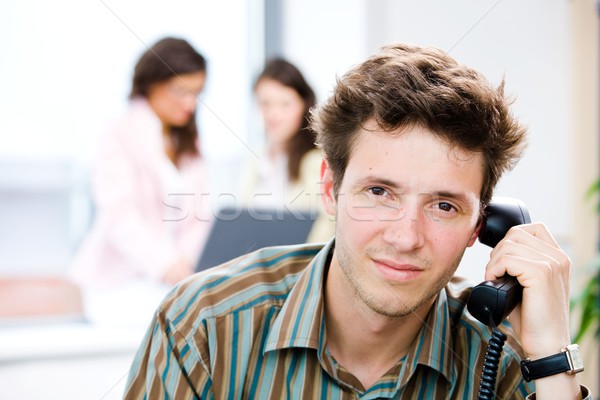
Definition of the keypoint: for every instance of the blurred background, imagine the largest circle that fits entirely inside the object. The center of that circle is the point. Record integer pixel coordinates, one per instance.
(66, 68)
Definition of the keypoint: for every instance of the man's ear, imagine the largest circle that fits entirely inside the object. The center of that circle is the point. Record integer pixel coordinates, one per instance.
(475, 234)
(327, 195)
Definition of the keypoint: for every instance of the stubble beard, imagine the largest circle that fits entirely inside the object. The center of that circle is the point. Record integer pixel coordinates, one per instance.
(390, 304)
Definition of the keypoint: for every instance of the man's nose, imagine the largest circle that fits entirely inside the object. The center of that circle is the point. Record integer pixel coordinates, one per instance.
(406, 232)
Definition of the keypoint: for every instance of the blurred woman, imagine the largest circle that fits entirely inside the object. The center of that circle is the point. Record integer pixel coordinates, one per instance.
(148, 183)
(287, 175)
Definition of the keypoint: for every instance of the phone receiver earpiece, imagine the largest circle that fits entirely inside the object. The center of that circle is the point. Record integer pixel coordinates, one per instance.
(500, 215)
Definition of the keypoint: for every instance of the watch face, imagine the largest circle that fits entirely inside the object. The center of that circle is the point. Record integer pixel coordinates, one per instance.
(575, 361)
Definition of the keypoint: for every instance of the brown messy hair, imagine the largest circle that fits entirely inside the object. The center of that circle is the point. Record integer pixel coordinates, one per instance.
(406, 85)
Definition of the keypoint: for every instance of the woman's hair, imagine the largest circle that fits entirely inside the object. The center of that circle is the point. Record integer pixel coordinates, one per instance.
(404, 86)
(303, 141)
(168, 58)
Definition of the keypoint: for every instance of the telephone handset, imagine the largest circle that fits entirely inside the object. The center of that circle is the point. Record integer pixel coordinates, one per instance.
(494, 300)
(491, 301)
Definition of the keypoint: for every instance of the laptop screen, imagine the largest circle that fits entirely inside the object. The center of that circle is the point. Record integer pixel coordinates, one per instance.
(236, 232)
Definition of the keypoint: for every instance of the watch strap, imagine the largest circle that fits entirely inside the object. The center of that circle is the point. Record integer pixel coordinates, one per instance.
(546, 366)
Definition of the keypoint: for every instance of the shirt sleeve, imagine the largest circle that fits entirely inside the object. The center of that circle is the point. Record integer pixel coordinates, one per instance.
(167, 367)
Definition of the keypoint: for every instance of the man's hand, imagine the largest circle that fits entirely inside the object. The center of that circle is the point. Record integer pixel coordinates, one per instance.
(530, 253)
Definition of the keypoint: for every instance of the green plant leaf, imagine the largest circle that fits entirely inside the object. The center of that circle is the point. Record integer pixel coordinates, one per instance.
(594, 189)
(587, 301)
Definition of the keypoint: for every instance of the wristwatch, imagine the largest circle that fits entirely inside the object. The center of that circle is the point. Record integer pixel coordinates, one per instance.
(568, 360)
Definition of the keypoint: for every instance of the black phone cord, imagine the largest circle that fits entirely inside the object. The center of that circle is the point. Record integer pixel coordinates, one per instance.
(487, 386)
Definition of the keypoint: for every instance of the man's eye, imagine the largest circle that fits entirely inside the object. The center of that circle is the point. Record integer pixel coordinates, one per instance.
(377, 191)
(446, 207)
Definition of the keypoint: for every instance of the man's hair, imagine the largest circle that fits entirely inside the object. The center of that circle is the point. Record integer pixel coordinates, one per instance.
(406, 86)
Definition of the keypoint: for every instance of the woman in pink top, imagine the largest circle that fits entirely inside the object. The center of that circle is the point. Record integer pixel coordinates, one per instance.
(149, 188)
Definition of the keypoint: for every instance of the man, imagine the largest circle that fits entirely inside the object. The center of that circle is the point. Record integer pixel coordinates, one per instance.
(414, 145)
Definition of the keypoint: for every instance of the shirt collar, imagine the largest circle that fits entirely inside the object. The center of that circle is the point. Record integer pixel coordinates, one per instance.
(433, 346)
(300, 322)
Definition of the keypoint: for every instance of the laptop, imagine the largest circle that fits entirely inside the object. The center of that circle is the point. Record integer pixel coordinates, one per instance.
(238, 231)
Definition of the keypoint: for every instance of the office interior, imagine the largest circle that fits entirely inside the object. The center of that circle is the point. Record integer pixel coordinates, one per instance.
(65, 73)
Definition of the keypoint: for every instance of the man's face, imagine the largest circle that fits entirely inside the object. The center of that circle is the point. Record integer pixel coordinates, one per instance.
(407, 208)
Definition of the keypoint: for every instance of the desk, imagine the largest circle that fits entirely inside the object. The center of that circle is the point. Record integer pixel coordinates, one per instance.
(66, 360)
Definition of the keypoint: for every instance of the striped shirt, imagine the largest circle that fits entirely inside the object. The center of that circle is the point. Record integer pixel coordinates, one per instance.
(254, 328)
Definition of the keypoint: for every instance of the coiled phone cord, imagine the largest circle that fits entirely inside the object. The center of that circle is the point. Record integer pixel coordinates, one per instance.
(487, 386)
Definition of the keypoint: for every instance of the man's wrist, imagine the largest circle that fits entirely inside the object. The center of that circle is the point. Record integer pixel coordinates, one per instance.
(568, 360)
(584, 394)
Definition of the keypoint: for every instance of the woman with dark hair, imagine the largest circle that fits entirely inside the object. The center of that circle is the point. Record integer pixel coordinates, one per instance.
(287, 174)
(151, 221)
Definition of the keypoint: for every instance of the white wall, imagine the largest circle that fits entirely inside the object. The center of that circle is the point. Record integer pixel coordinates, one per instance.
(324, 39)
